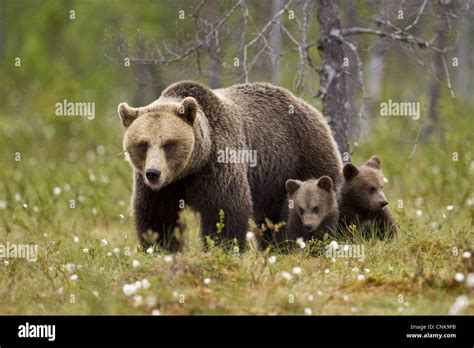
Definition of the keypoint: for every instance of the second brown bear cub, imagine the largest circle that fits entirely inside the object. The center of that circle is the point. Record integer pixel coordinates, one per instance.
(362, 201)
(313, 208)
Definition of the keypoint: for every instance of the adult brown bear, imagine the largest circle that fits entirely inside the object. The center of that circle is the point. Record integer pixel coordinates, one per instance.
(174, 146)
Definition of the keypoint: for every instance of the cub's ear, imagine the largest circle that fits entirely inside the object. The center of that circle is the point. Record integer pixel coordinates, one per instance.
(292, 186)
(350, 171)
(127, 114)
(374, 162)
(188, 109)
(325, 182)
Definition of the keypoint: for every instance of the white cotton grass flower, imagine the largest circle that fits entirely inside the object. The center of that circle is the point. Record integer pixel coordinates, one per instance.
(25, 205)
(470, 280)
(109, 254)
(74, 277)
(450, 207)
(57, 191)
(207, 281)
(308, 311)
(459, 277)
(149, 250)
(70, 267)
(470, 202)
(310, 298)
(334, 245)
(145, 283)
(250, 236)
(103, 242)
(95, 293)
(361, 277)
(418, 201)
(85, 250)
(459, 305)
(355, 269)
(3, 204)
(137, 300)
(367, 270)
(138, 284)
(155, 312)
(129, 289)
(466, 254)
(17, 197)
(419, 213)
(327, 271)
(135, 263)
(287, 276)
(297, 270)
(300, 242)
(272, 259)
(168, 258)
(116, 251)
(67, 187)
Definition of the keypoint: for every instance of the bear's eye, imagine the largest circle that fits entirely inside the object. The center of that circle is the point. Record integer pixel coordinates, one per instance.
(169, 146)
(301, 211)
(142, 147)
(316, 210)
(372, 189)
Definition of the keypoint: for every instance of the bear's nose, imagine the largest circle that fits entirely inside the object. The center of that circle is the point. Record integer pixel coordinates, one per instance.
(152, 174)
(307, 227)
(383, 204)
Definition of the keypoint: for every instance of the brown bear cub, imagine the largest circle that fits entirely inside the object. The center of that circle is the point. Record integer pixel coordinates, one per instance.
(362, 201)
(312, 207)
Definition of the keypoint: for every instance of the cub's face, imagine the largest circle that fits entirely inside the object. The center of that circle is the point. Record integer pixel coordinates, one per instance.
(159, 139)
(363, 185)
(313, 200)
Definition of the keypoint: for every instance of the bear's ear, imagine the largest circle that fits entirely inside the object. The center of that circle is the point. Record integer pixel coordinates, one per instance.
(127, 114)
(325, 183)
(350, 171)
(374, 162)
(188, 109)
(292, 186)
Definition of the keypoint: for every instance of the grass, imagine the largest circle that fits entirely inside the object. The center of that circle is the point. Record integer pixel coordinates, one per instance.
(70, 195)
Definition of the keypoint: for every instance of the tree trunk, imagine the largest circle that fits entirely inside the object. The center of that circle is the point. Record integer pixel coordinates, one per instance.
(213, 46)
(275, 42)
(149, 84)
(432, 114)
(336, 105)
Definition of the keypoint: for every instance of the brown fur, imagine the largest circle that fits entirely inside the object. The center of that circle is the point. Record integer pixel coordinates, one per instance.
(313, 204)
(198, 122)
(362, 196)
